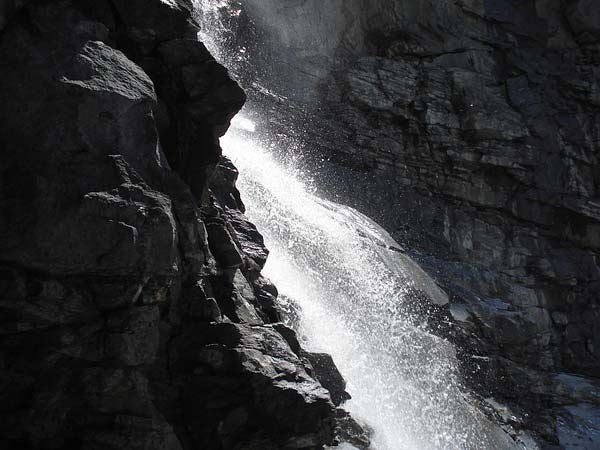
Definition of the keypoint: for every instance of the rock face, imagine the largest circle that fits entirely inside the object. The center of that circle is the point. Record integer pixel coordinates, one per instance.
(132, 309)
(469, 129)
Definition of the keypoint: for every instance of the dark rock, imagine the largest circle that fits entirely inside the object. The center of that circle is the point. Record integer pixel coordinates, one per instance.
(249, 238)
(99, 10)
(290, 337)
(584, 19)
(200, 306)
(222, 245)
(222, 185)
(183, 52)
(100, 103)
(329, 376)
(133, 335)
(135, 433)
(351, 431)
(31, 301)
(160, 20)
(266, 297)
(120, 275)
(236, 300)
(9, 8)
(285, 402)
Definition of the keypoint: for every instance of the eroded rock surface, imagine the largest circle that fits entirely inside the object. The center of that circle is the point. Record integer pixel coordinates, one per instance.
(132, 310)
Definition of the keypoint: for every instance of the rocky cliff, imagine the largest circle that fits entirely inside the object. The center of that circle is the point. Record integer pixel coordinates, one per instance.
(470, 130)
(133, 313)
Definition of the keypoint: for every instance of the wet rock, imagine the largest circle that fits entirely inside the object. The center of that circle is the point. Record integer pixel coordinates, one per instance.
(329, 376)
(291, 412)
(266, 297)
(249, 238)
(578, 426)
(182, 52)
(236, 300)
(203, 307)
(273, 387)
(222, 245)
(352, 432)
(222, 185)
(292, 339)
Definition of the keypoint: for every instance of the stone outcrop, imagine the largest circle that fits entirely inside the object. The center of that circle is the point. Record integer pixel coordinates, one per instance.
(469, 129)
(132, 309)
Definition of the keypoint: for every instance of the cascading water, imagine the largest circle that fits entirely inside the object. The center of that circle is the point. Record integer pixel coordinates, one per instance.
(353, 288)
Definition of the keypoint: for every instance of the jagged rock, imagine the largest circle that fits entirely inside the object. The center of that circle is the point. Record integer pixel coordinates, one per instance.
(291, 338)
(352, 432)
(182, 52)
(285, 405)
(161, 20)
(120, 275)
(103, 218)
(249, 238)
(236, 300)
(199, 305)
(222, 185)
(266, 297)
(222, 245)
(329, 376)
(199, 100)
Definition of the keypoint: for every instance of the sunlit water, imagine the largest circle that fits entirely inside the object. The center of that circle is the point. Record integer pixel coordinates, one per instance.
(353, 293)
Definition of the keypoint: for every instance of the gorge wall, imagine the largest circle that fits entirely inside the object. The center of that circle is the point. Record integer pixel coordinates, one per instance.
(470, 130)
(133, 313)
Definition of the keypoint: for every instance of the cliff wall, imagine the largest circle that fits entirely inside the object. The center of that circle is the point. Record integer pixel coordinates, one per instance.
(132, 309)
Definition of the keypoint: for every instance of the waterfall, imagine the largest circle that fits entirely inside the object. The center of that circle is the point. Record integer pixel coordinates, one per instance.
(354, 290)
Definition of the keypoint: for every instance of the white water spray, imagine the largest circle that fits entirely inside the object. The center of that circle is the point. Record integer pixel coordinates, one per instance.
(354, 288)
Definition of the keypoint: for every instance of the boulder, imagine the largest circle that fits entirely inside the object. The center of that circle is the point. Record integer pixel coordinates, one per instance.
(288, 406)
(329, 376)
(101, 109)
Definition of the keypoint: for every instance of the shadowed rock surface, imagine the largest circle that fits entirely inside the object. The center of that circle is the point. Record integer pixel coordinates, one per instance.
(132, 310)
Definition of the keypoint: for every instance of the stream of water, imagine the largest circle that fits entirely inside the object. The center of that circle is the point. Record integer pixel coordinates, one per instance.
(354, 290)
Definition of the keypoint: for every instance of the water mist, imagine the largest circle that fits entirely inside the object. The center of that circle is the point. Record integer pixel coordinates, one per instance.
(354, 292)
